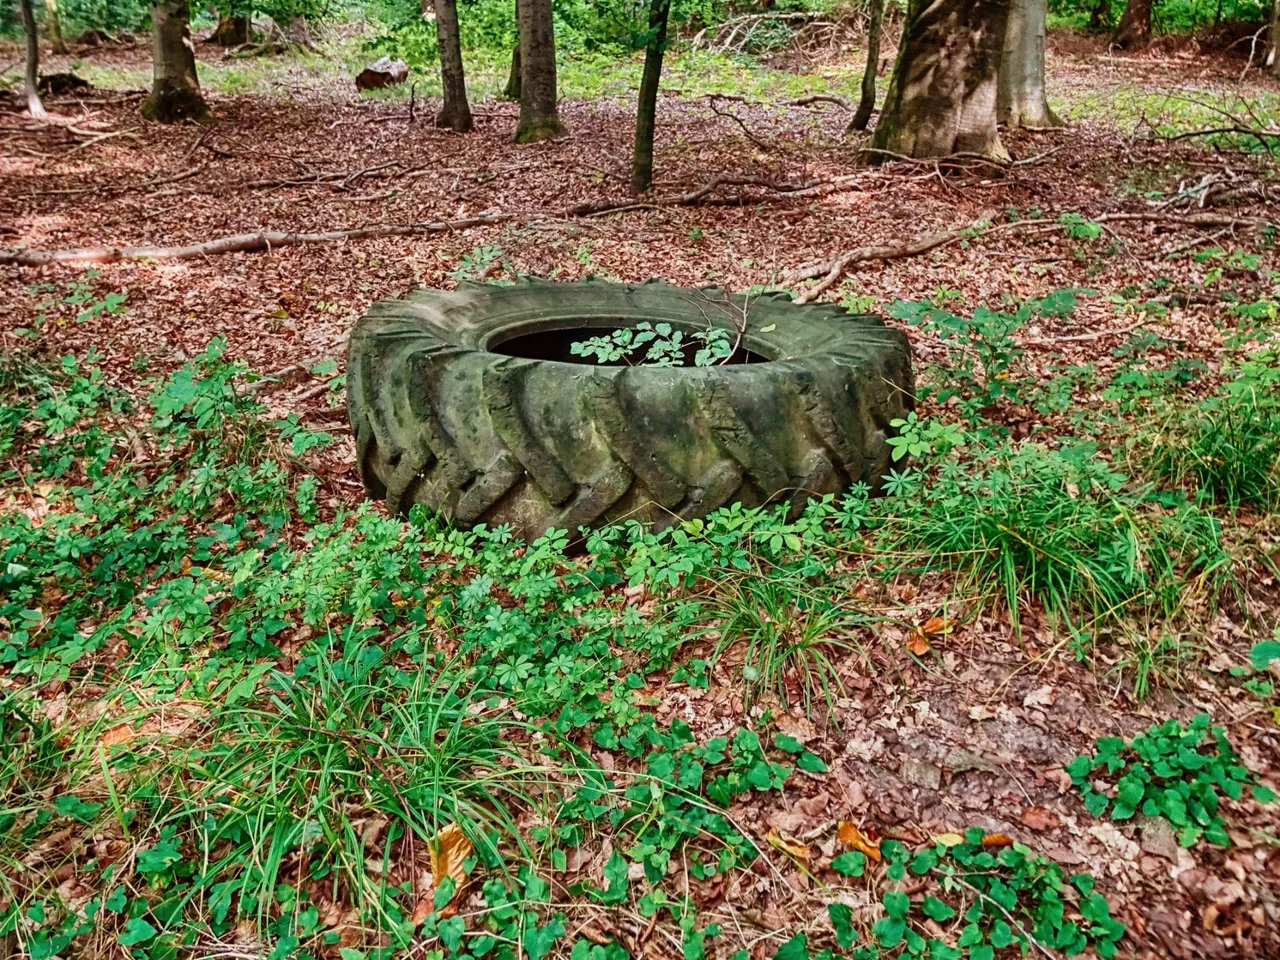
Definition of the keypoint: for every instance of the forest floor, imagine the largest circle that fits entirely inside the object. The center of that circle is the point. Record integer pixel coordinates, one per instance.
(976, 733)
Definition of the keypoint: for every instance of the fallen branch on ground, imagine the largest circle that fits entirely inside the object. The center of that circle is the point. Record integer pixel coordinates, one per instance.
(240, 243)
(832, 270)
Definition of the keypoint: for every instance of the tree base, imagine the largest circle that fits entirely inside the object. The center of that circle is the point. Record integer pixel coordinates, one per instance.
(172, 106)
(535, 132)
(1031, 117)
(458, 121)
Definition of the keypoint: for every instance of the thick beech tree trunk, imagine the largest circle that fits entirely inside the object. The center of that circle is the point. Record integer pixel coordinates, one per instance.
(1134, 29)
(539, 119)
(647, 102)
(866, 105)
(175, 89)
(34, 106)
(455, 113)
(53, 24)
(942, 97)
(1021, 101)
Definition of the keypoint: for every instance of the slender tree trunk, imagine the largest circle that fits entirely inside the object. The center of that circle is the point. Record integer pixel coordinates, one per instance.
(647, 102)
(175, 89)
(862, 116)
(539, 119)
(53, 24)
(34, 106)
(1273, 56)
(942, 96)
(1100, 14)
(455, 113)
(1134, 29)
(512, 90)
(1021, 101)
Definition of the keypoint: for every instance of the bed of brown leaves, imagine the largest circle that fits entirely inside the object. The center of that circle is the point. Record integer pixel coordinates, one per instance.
(917, 756)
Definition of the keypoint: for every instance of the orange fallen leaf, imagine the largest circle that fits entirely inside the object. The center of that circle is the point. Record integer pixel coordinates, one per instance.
(1039, 818)
(853, 837)
(937, 626)
(120, 733)
(449, 849)
(997, 840)
(788, 844)
(917, 642)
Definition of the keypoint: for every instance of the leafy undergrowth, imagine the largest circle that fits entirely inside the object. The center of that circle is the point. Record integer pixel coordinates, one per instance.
(308, 731)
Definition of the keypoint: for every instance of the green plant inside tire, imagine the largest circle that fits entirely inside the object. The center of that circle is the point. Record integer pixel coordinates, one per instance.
(471, 402)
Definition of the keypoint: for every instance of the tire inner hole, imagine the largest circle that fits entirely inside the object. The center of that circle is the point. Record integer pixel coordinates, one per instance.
(557, 344)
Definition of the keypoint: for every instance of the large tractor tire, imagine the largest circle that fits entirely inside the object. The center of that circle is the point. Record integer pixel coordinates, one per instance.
(470, 402)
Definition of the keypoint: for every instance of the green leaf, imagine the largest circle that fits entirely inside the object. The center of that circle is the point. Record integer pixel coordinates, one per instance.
(538, 941)
(450, 932)
(842, 922)
(788, 743)
(1262, 654)
(1263, 794)
(888, 931)
(851, 864)
(935, 908)
(136, 931)
(72, 806)
(797, 948)
(811, 762)
(897, 904)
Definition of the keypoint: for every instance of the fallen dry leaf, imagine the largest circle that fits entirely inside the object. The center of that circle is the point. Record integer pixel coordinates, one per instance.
(982, 712)
(917, 642)
(997, 840)
(949, 839)
(120, 733)
(853, 837)
(1040, 697)
(788, 844)
(937, 626)
(1039, 818)
(449, 849)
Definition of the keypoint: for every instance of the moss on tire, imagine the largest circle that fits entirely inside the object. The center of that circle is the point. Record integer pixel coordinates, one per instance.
(443, 417)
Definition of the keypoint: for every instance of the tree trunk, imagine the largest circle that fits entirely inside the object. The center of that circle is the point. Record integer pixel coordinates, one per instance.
(34, 106)
(175, 89)
(455, 113)
(1021, 101)
(1134, 29)
(942, 96)
(538, 117)
(1100, 14)
(232, 30)
(512, 90)
(54, 25)
(1273, 56)
(300, 33)
(867, 104)
(647, 102)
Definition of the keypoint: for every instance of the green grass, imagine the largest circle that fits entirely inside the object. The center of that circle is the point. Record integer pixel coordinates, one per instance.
(278, 708)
